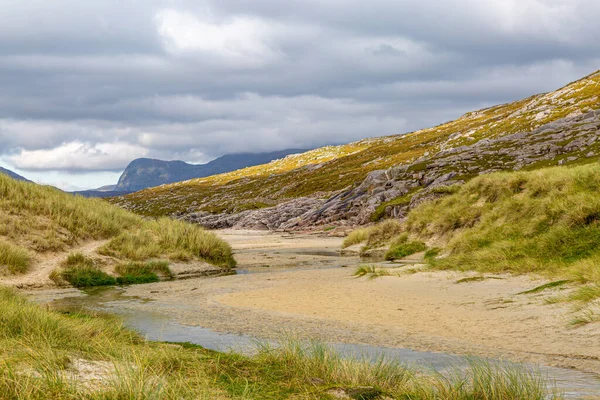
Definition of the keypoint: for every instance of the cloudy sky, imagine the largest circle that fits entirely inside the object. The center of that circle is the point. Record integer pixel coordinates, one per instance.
(87, 86)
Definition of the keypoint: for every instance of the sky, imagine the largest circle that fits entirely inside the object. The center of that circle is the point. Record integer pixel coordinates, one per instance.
(88, 86)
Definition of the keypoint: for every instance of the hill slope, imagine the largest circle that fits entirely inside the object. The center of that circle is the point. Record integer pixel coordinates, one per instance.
(324, 185)
(40, 222)
(12, 174)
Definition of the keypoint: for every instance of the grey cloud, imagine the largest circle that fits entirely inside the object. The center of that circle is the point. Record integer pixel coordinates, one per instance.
(193, 80)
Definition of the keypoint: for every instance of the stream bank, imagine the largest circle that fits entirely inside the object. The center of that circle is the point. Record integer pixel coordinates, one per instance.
(300, 285)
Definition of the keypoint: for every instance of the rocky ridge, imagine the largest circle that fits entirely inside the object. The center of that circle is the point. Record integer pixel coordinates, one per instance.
(570, 140)
(364, 181)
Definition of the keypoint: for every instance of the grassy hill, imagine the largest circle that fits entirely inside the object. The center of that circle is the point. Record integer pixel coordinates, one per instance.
(325, 171)
(545, 222)
(38, 222)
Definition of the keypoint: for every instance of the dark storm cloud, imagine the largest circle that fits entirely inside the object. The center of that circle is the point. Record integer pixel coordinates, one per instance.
(88, 85)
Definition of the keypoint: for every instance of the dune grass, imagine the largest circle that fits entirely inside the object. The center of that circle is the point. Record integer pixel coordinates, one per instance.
(14, 259)
(374, 236)
(41, 351)
(82, 271)
(136, 273)
(544, 221)
(402, 247)
(357, 236)
(44, 219)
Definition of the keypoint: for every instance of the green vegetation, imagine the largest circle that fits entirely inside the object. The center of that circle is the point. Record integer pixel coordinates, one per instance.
(14, 258)
(136, 273)
(545, 221)
(86, 276)
(82, 271)
(357, 236)
(174, 239)
(432, 253)
(48, 355)
(371, 271)
(380, 234)
(45, 219)
(402, 247)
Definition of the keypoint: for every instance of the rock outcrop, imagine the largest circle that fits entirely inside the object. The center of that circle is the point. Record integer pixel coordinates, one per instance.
(569, 140)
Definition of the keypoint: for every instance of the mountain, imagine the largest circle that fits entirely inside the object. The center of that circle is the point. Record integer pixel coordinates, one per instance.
(12, 174)
(144, 172)
(381, 177)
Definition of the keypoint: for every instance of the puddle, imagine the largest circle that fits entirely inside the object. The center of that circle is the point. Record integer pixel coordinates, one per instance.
(159, 327)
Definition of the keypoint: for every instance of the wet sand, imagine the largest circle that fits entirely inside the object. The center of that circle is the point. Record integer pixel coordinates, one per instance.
(297, 284)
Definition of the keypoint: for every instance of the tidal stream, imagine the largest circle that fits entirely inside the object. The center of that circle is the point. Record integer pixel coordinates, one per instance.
(159, 327)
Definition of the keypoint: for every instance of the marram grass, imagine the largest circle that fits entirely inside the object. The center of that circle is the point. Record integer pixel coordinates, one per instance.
(545, 221)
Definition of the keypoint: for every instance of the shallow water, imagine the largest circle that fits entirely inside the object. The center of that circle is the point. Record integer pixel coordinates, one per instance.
(159, 327)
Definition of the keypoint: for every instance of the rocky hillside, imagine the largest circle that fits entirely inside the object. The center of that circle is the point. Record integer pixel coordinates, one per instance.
(144, 173)
(364, 181)
(12, 174)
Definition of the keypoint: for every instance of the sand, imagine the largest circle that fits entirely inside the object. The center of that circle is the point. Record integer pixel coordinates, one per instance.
(298, 284)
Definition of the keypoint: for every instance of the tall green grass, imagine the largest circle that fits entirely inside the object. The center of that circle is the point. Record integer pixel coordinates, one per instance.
(544, 221)
(136, 273)
(374, 236)
(173, 239)
(42, 219)
(402, 247)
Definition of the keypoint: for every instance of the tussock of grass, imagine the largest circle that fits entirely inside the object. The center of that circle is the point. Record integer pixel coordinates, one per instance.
(374, 236)
(14, 258)
(371, 271)
(382, 233)
(356, 237)
(39, 348)
(165, 237)
(586, 293)
(43, 219)
(81, 271)
(585, 317)
(432, 253)
(87, 276)
(402, 247)
(136, 273)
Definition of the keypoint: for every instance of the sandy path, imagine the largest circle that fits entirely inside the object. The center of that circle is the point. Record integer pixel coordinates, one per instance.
(424, 311)
(39, 273)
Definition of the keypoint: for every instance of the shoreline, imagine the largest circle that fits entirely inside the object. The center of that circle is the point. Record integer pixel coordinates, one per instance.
(425, 311)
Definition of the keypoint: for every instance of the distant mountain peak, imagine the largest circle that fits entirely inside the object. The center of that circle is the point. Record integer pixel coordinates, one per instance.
(143, 173)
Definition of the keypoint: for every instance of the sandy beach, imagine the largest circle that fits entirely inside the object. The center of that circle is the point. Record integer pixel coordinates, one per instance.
(297, 284)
